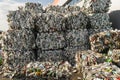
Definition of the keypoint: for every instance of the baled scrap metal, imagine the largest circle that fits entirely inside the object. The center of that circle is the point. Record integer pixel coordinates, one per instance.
(34, 7)
(77, 38)
(16, 60)
(46, 41)
(99, 6)
(49, 22)
(18, 40)
(20, 19)
(50, 55)
(103, 71)
(76, 20)
(104, 41)
(71, 51)
(100, 21)
(96, 6)
(115, 56)
(55, 70)
(87, 58)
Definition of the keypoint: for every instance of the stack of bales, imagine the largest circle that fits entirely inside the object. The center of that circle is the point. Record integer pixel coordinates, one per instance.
(50, 36)
(19, 41)
(99, 18)
(64, 30)
(76, 32)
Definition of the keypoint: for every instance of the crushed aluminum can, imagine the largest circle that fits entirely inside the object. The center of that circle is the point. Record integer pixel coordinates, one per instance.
(47, 41)
(50, 55)
(18, 40)
(103, 41)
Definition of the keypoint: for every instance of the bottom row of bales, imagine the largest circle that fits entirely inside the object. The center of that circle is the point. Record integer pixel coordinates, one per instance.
(91, 64)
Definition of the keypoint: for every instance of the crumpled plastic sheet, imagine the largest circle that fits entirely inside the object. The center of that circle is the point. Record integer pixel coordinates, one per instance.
(47, 41)
(20, 19)
(49, 22)
(103, 71)
(34, 8)
(100, 21)
(71, 51)
(50, 55)
(87, 58)
(76, 20)
(104, 41)
(77, 37)
(115, 56)
(18, 40)
(16, 60)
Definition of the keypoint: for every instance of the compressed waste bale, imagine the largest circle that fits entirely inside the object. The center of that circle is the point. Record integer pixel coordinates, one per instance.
(20, 19)
(50, 55)
(95, 6)
(99, 6)
(100, 21)
(115, 56)
(34, 8)
(49, 22)
(76, 20)
(77, 37)
(88, 58)
(49, 70)
(18, 40)
(16, 60)
(104, 41)
(47, 41)
(103, 71)
(71, 51)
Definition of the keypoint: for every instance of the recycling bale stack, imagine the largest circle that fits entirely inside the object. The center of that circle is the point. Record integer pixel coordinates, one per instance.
(98, 16)
(76, 32)
(19, 41)
(50, 39)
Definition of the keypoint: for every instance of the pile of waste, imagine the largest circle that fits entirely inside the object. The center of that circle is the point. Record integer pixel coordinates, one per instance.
(57, 42)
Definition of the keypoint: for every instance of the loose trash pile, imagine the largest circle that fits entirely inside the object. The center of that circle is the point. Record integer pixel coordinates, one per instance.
(57, 42)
